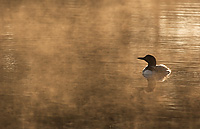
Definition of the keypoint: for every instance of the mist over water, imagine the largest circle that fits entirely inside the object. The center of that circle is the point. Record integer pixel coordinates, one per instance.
(72, 64)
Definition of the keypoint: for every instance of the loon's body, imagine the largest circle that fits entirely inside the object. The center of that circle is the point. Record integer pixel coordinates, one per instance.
(153, 70)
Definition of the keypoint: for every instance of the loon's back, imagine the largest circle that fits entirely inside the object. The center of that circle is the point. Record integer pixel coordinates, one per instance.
(162, 69)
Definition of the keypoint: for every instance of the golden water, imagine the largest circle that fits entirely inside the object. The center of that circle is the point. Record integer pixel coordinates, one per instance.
(72, 64)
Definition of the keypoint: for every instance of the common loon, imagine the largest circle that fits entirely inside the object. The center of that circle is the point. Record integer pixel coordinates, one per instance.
(160, 72)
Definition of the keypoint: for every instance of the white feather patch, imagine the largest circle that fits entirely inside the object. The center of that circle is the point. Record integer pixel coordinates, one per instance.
(147, 73)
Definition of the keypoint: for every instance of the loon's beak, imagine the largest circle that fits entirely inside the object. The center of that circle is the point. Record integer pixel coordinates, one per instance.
(141, 58)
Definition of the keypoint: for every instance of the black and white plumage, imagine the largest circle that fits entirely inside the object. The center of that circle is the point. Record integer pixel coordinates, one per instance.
(158, 72)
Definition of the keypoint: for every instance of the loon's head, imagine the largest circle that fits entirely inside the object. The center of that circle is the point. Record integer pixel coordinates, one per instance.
(149, 59)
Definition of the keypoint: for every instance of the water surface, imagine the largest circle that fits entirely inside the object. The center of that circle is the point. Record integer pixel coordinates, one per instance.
(73, 64)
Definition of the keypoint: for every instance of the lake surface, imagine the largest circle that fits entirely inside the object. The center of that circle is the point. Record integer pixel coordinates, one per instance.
(72, 64)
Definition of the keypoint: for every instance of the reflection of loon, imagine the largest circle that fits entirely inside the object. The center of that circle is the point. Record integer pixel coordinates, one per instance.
(153, 71)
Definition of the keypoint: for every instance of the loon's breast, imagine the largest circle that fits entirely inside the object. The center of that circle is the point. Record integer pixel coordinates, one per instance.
(148, 73)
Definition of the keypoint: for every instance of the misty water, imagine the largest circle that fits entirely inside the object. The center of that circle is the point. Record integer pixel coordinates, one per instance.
(72, 64)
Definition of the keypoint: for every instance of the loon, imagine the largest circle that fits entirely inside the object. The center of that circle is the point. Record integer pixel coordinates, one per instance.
(160, 72)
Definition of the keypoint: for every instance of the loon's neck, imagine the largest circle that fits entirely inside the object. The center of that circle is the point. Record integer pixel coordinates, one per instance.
(151, 64)
(150, 67)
